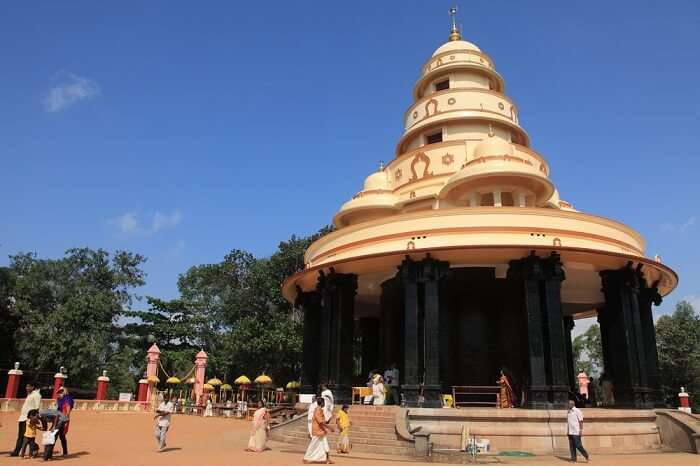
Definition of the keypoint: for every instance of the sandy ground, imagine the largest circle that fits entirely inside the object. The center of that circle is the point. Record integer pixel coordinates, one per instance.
(126, 439)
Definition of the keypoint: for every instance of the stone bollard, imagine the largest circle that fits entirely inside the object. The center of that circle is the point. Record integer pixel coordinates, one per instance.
(59, 380)
(684, 401)
(13, 378)
(102, 385)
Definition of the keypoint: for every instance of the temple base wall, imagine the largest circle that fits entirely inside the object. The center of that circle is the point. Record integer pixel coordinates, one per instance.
(540, 431)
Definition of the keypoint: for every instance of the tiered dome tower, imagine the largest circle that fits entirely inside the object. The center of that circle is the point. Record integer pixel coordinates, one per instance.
(466, 188)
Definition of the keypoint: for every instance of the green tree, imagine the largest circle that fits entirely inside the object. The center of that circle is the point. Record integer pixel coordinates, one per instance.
(9, 321)
(678, 345)
(588, 351)
(174, 326)
(66, 309)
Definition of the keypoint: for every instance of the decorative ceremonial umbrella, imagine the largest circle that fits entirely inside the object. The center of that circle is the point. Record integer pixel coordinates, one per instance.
(243, 382)
(208, 387)
(153, 379)
(263, 380)
(223, 389)
(214, 382)
(190, 382)
(172, 381)
(293, 385)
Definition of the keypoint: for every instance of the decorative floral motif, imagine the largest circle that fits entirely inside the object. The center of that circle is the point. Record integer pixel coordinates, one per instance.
(448, 159)
(451, 101)
(415, 114)
(501, 106)
(398, 174)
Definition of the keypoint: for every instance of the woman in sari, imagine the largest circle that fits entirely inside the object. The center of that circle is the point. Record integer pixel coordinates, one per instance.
(260, 430)
(343, 421)
(507, 396)
(64, 403)
(378, 391)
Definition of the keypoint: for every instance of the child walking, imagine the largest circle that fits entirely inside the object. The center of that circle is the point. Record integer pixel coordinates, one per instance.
(29, 440)
(343, 421)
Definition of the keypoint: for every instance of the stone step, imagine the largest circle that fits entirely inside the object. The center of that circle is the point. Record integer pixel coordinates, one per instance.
(357, 432)
(404, 449)
(353, 435)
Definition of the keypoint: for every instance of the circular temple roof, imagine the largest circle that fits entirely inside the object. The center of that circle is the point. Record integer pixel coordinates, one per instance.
(492, 146)
(377, 181)
(453, 45)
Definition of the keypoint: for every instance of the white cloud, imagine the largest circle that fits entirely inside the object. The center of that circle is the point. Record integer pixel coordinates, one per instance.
(161, 220)
(127, 223)
(130, 224)
(669, 227)
(67, 89)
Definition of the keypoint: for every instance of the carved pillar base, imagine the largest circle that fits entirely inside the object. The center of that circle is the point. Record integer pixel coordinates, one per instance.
(537, 397)
(634, 397)
(432, 396)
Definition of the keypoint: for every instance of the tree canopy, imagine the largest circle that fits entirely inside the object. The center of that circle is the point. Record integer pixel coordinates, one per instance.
(678, 344)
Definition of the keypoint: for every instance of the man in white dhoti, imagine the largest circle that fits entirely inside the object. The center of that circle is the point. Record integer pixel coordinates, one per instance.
(328, 402)
(318, 451)
(310, 415)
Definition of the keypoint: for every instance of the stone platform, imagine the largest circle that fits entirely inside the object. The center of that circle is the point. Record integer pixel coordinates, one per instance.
(540, 431)
(390, 429)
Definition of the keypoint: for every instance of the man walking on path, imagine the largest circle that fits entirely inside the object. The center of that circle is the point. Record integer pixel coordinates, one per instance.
(574, 429)
(33, 401)
(163, 414)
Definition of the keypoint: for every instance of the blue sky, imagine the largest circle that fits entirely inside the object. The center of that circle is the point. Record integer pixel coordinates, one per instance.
(181, 130)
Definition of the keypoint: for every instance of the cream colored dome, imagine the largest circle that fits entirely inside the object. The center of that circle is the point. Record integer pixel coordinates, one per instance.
(377, 181)
(553, 201)
(455, 45)
(492, 146)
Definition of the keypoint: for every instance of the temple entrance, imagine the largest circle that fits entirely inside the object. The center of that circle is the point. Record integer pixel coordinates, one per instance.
(482, 328)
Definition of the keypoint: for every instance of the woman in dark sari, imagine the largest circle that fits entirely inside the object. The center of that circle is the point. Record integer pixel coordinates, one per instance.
(507, 398)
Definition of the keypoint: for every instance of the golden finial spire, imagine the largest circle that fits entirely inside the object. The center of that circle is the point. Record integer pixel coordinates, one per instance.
(381, 165)
(454, 32)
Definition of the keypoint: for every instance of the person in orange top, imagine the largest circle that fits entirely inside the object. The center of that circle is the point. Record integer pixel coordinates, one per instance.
(318, 451)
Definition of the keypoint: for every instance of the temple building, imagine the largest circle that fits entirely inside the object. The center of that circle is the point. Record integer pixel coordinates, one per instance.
(459, 257)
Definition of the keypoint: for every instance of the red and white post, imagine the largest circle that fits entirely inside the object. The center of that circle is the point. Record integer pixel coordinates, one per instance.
(684, 401)
(142, 395)
(59, 380)
(13, 378)
(102, 385)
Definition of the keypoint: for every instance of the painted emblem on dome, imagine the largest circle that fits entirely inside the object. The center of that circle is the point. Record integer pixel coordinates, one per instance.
(422, 159)
(434, 104)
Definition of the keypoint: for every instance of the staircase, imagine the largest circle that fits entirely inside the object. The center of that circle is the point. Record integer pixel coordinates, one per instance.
(373, 430)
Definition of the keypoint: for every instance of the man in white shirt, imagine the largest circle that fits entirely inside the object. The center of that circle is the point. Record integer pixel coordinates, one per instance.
(574, 429)
(391, 378)
(163, 414)
(310, 415)
(33, 401)
(328, 400)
